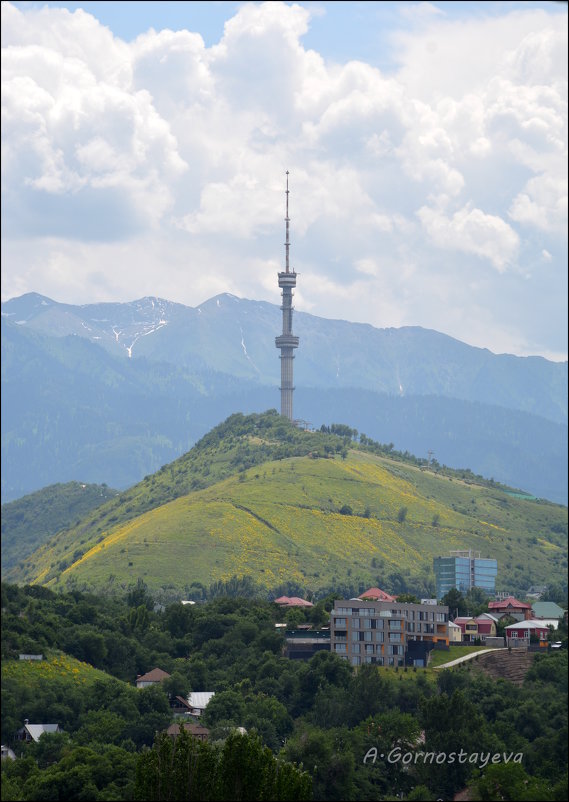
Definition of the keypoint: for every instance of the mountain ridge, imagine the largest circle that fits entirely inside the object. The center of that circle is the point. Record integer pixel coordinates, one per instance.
(76, 407)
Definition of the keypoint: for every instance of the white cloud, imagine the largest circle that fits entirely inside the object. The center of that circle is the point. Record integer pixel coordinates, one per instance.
(543, 204)
(158, 166)
(472, 231)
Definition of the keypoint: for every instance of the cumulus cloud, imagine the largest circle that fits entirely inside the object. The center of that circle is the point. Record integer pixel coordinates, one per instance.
(157, 166)
(472, 231)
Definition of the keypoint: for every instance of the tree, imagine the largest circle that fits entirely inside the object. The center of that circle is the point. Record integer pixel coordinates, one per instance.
(510, 781)
(244, 769)
(138, 594)
(455, 602)
(408, 598)
(476, 601)
(176, 685)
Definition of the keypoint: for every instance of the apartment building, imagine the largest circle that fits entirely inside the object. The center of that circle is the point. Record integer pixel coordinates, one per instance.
(384, 632)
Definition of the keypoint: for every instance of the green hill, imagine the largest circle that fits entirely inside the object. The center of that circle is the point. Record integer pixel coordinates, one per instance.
(33, 519)
(259, 498)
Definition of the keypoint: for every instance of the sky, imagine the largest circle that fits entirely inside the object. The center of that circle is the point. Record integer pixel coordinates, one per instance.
(145, 146)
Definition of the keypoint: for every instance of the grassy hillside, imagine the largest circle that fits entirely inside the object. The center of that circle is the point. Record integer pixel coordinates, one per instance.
(55, 668)
(257, 497)
(33, 519)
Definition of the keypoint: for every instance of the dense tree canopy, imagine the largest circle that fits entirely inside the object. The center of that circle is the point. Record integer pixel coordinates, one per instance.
(317, 714)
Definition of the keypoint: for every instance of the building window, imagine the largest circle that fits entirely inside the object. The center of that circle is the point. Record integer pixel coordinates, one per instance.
(356, 648)
(395, 625)
(340, 647)
(367, 636)
(395, 637)
(356, 661)
(369, 648)
(340, 622)
(355, 623)
(379, 637)
(367, 623)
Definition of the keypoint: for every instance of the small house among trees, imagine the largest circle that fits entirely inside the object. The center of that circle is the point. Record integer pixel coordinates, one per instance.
(154, 677)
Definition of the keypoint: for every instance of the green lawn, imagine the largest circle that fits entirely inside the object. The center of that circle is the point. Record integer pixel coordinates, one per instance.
(440, 657)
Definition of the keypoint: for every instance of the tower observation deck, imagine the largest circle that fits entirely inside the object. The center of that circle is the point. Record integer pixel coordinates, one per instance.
(287, 342)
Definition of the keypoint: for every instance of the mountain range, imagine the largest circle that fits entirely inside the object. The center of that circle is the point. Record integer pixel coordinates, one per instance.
(106, 393)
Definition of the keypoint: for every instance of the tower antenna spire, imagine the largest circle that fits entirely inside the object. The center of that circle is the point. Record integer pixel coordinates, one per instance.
(287, 221)
(287, 341)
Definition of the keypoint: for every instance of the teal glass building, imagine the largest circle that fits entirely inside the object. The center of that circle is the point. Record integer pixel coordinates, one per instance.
(464, 570)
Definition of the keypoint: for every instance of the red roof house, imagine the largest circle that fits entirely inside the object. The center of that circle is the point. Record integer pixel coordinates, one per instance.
(293, 601)
(481, 627)
(376, 594)
(510, 606)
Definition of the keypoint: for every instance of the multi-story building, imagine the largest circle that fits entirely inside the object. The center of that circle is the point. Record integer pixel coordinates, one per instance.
(465, 570)
(383, 632)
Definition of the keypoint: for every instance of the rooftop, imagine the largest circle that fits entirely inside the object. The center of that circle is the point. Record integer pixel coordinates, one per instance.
(509, 602)
(293, 601)
(377, 595)
(156, 675)
(200, 699)
(531, 624)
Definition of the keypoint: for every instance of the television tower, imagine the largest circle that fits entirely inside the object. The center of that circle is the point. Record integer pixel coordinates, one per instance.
(287, 342)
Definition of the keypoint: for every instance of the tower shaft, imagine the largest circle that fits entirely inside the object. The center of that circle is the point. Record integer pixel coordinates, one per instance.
(287, 342)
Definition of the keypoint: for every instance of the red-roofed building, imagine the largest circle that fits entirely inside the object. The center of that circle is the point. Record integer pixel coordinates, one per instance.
(482, 627)
(510, 606)
(376, 594)
(293, 601)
